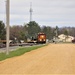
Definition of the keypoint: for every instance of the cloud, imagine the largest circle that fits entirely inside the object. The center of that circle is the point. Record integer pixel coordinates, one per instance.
(45, 12)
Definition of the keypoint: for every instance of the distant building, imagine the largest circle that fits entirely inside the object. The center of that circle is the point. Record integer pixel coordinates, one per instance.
(64, 38)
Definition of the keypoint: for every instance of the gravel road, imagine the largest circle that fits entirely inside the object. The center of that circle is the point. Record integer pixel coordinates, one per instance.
(51, 59)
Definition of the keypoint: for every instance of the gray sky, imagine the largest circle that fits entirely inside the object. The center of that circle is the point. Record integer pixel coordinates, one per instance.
(45, 12)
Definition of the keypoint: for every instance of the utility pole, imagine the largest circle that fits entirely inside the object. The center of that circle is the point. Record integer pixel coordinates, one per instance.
(31, 11)
(7, 26)
(56, 34)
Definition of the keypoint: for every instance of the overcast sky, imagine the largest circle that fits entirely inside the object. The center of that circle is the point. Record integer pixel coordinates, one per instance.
(45, 12)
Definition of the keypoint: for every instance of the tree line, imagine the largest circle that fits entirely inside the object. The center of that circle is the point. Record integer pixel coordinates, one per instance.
(31, 29)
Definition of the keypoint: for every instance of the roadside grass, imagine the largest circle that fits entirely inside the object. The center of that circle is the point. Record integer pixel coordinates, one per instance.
(19, 52)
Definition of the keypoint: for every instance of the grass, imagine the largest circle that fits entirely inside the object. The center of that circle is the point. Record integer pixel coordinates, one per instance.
(18, 52)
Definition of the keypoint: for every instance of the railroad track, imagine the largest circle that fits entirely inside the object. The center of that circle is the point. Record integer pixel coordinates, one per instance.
(14, 47)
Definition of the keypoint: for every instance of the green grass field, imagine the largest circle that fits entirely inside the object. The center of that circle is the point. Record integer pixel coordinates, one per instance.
(18, 52)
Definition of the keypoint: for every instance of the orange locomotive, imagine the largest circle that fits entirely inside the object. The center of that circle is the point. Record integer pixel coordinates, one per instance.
(41, 38)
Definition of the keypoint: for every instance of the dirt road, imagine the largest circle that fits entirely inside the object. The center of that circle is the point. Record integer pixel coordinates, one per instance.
(51, 59)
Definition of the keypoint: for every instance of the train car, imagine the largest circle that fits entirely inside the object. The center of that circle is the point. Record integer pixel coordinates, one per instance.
(41, 38)
(3, 41)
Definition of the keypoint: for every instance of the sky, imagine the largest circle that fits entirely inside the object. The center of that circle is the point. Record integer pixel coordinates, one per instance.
(52, 13)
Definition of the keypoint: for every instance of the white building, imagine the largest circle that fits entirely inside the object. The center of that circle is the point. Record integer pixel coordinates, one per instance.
(64, 38)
